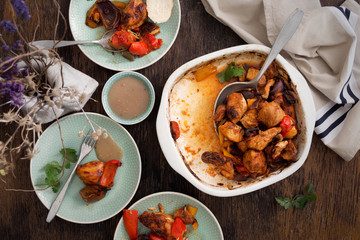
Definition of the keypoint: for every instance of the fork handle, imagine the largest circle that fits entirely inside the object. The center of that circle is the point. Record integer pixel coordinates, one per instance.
(50, 43)
(60, 197)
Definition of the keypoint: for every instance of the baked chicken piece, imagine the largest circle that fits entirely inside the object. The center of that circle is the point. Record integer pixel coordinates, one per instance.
(159, 223)
(249, 120)
(260, 141)
(90, 173)
(232, 131)
(236, 107)
(255, 162)
(290, 151)
(184, 214)
(134, 14)
(225, 164)
(270, 113)
(278, 148)
(265, 90)
(219, 113)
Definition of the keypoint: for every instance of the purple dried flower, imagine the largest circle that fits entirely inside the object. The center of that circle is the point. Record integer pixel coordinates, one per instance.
(13, 91)
(25, 71)
(13, 71)
(21, 8)
(6, 47)
(17, 44)
(8, 26)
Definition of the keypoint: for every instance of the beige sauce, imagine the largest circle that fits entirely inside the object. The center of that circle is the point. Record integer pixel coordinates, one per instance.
(107, 149)
(128, 97)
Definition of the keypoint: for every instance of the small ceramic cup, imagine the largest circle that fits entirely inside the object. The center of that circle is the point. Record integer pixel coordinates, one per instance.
(105, 93)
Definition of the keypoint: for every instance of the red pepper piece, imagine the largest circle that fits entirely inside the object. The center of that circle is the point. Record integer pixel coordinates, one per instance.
(108, 175)
(154, 237)
(138, 48)
(243, 171)
(131, 223)
(178, 229)
(285, 125)
(175, 130)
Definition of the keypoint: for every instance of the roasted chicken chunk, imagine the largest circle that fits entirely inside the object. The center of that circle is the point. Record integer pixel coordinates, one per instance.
(93, 193)
(90, 173)
(270, 113)
(249, 120)
(184, 214)
(255, 162)
(225, 164)
(290, 151)
(232, 131)
(220, 113)
(159, 223)
(278, 148)
(236, 107)
(134, 15)
(265, 90)
(260, 141)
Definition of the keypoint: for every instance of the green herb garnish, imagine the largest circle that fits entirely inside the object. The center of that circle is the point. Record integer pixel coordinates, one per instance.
(53, 169)
(299, 201)
(231, 71)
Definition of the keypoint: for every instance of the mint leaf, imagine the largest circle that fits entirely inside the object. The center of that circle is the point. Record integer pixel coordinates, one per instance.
(299, 201)
(284, 202)
(53, 169)
(309, 188)
(231, 71)
(70, 156)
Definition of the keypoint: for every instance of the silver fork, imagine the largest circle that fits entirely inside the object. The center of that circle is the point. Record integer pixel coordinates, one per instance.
(86, 147)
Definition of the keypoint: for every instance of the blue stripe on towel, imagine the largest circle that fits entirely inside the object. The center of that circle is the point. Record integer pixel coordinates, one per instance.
(327, 114)
(333, 125)
(344, 11)
(342, 98)
(356, 99)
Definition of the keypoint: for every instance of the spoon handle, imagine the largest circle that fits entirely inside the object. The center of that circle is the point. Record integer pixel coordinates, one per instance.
(284, 36)
(50, 43)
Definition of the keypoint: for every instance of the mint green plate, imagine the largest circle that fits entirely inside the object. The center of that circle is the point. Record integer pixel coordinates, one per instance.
(209, 228)
(114, 61)
(73, 208)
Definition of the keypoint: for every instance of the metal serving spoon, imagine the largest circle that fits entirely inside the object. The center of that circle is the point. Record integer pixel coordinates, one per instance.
(284, 36)
(103, 42)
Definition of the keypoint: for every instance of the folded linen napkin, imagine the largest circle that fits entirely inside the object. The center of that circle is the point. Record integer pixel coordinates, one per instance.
(74, 79)
(325, 49)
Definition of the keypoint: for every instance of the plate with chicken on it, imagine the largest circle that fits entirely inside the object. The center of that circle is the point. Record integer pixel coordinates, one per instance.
(145, 30)
(168, 216)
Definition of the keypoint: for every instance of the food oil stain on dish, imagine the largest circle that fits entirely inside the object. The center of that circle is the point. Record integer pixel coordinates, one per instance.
(107, 149)
(128, 97)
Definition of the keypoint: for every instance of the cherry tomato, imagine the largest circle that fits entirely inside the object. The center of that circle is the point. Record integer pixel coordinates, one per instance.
(138, 48)
(131, 223)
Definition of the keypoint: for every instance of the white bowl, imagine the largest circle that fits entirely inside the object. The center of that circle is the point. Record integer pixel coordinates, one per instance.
(305, 114)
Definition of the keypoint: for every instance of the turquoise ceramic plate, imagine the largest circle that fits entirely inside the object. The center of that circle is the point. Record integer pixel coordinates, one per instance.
(208, 229)
(77, 13)
(73, 208)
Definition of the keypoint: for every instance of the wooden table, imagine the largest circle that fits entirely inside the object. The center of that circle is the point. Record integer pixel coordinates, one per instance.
(334, 215)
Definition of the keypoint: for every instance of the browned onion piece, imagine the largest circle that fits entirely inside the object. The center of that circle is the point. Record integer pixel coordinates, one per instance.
(278, 87)
(109, 13)
(290, 97)
(255, 104)
(248, 94)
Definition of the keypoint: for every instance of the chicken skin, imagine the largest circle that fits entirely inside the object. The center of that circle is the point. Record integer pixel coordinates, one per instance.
(270, 113)
(260, 141)
(236, 107)
(159, 223)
